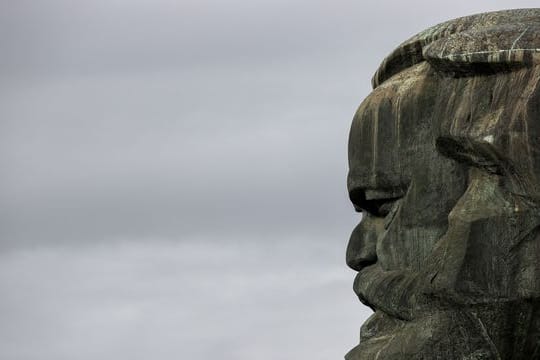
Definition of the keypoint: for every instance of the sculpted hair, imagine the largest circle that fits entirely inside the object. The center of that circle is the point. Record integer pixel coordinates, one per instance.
(473, 45)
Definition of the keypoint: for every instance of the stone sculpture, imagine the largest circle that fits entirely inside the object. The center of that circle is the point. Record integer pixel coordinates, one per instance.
(444, 160)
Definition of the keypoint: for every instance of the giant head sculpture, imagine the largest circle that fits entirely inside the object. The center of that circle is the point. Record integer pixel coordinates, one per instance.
(444, 159)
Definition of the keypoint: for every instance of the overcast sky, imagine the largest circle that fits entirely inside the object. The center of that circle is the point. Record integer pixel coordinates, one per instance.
(174, 173)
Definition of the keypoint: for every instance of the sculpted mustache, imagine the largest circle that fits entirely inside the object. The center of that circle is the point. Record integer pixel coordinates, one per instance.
(392, 292)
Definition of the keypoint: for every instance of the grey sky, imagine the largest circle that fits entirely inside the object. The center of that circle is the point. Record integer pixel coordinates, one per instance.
(174, 173)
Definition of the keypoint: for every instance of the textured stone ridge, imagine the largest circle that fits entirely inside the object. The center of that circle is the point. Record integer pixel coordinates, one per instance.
(444, 163)
(487, 42)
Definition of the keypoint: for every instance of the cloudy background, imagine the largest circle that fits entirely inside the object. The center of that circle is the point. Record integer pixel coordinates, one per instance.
(173, 173)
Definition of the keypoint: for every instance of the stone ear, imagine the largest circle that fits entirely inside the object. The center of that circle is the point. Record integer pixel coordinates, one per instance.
(499, 48)
(478, 153)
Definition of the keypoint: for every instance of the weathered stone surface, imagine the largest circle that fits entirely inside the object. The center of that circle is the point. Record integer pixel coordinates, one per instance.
(444, 160)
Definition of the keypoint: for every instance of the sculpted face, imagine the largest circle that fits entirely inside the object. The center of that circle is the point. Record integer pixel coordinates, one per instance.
(402, 186)
(444, 164)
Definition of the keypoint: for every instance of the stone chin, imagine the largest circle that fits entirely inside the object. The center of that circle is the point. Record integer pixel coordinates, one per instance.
(444, 159)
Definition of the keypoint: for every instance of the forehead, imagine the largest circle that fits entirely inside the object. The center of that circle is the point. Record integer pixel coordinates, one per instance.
(391, 127)
(493, 121)
(405, 82)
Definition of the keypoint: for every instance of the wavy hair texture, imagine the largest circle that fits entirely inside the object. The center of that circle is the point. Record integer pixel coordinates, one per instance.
(477, 44)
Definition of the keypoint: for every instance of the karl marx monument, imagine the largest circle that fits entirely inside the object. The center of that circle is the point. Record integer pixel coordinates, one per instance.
(444, 158)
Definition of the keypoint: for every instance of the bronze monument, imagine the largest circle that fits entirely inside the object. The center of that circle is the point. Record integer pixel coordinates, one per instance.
(444, 159)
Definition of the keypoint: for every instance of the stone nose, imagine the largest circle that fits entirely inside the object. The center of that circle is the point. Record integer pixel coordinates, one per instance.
(362, 247)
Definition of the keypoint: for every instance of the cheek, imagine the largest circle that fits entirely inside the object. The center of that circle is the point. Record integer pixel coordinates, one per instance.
(491, 247)
(408, 246)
